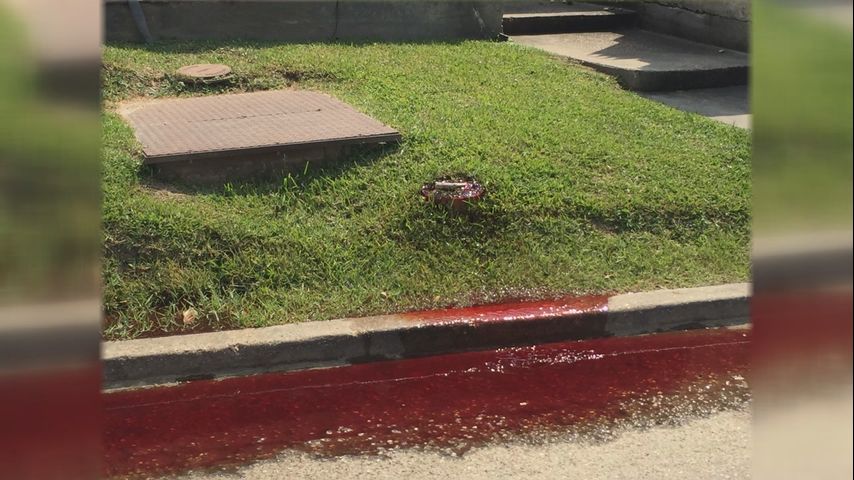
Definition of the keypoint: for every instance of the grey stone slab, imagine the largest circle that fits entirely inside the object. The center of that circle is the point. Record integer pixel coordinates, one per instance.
(647, 61)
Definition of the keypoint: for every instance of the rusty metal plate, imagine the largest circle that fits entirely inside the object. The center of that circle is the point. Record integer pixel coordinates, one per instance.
(192, 128)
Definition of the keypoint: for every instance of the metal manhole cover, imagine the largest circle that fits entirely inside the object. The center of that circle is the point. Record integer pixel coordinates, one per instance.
(205, 72)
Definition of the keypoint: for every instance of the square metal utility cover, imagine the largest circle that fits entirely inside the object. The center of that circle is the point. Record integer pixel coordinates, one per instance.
(225, 125)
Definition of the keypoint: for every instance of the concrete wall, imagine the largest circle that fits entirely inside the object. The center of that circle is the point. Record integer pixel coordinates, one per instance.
(719, 22)
(306, 20)
(735, 9)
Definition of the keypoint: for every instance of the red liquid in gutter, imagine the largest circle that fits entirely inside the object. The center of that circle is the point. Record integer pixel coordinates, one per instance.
(452, 401)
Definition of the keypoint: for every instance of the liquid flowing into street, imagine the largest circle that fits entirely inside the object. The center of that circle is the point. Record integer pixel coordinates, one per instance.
(449, 404)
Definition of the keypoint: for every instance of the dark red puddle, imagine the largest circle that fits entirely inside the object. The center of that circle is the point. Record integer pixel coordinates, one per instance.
(514, 311)
(450, 401)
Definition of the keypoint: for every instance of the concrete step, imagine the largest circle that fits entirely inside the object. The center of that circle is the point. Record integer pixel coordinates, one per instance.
(558, 17)
(646, 61)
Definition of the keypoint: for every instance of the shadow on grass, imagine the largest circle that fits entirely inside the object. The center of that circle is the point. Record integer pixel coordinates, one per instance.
(426, 225)
(295, 179)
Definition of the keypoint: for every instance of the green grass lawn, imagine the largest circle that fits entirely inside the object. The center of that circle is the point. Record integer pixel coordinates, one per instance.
(591, 189)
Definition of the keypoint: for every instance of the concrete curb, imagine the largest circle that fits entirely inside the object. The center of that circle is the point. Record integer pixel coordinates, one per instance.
(347, 341)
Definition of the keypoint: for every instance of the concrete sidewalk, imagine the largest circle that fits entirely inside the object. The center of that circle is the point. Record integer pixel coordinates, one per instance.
(647, 61)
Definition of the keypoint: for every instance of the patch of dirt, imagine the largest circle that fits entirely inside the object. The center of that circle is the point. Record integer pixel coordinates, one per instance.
(126, 107)
(164, 191)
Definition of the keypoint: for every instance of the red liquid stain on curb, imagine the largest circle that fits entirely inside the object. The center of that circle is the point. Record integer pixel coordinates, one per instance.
(514, 311)
(451, 401)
